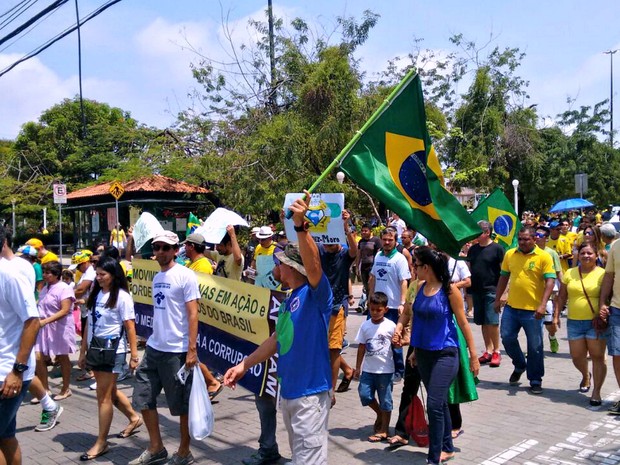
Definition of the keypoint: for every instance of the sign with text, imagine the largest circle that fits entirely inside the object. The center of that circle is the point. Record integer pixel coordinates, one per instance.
(234, 319)
(324, 215)
(60, 193)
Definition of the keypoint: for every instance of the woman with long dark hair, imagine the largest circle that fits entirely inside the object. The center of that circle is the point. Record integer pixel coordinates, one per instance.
(435, 340)
(111, 316)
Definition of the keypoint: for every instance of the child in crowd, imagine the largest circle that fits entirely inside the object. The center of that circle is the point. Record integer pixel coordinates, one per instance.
(375, 364)
(68, 277)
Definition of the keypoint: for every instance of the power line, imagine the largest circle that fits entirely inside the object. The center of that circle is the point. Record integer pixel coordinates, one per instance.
(63, 34)
(32, 28)
(22, 9)
(12, 8)
(34, 19)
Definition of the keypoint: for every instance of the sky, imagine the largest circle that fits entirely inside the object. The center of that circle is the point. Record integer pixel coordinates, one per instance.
(136, 54)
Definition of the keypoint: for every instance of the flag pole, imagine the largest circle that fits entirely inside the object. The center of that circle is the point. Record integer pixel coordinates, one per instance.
(343, 153)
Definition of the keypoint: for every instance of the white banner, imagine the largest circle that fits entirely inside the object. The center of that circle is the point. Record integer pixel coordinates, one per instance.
(214, 227)
(146, 228)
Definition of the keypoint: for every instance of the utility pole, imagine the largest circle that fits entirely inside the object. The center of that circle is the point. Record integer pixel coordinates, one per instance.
(272, 58)
(611, 96)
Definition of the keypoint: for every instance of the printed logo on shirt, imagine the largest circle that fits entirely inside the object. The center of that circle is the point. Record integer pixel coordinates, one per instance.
(294, 305)
(378, 345)
(159, 297)
(382, 272)
(531, 265)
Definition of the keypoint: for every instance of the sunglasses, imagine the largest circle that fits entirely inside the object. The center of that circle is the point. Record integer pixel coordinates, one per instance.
(165, 247)
(588, 233)
(539, 235)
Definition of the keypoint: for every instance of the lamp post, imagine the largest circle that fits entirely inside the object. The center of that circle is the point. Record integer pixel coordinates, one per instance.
(515, 184)
(340, 177)
(611, 95)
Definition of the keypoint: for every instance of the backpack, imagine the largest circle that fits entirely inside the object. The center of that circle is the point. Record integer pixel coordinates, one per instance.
(416, 425)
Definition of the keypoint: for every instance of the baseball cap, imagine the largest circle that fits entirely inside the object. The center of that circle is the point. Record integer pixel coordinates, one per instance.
(194, 238)
(554, 224)
(167, 237)
(28, 250)
(36, 243)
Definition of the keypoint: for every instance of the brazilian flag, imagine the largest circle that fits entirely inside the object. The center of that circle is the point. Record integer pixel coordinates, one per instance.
(497, 210)
(192, 223)
(392, 157)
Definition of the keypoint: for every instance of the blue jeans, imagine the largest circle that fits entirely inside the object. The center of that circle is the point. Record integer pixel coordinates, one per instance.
(513, 320)
(438, 369)
(268, 415)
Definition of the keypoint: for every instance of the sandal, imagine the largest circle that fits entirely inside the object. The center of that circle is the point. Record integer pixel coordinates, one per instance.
(86, 456)
(85, 376)
(456, 433)
(397, 441)
(447, 456)
(377, 438)
(344, 384)
(214, 394)
(131, 429)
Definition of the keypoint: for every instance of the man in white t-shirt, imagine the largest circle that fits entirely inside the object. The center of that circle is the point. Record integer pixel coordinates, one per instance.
(172, 344)
(19, 325)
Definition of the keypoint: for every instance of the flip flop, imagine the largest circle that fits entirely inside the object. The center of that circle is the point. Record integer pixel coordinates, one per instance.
(214, 394)
(448, 458)
(86, 456)
(457, 433)
(397, 441)
(130, 430)
(344, 384)
(63, 396)
(85, 376)
(377, 438)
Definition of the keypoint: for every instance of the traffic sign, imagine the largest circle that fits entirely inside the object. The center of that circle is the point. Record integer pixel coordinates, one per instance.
(117, 190)
(60, 193)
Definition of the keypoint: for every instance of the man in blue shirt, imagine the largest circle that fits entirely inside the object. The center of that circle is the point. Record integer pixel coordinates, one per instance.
(300, 339)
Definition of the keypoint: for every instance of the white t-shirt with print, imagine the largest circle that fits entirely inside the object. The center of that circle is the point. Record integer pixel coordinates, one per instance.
(171, 290)
(110, 320)
(17, 306)
(379, 357)
(89, 275)
(389, 272)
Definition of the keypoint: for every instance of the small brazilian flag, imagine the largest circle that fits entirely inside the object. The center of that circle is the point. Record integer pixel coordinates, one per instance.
(497, 210)
(192, 223)
(393, 158)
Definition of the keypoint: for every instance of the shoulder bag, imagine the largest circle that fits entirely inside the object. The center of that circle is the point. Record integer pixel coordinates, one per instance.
(102, 350)
(599, 324)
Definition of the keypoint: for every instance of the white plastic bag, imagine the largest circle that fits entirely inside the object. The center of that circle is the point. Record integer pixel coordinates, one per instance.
(201, 417)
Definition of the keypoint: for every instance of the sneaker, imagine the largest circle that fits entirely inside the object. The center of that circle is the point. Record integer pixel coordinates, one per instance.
(93, 386)
(176, 459)
(485, 358)
(496, 359)
(515, 377)
(148, 458)
(554, 344)
(614, 409)
(260, 458)
(49, 419)
(536, 389)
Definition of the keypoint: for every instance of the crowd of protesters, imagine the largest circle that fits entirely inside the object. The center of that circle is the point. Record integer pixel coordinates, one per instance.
(413, 294)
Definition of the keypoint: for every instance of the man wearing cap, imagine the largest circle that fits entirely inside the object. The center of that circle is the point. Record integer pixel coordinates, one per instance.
(195, 251)
(29, 253)
(43, 254)
(263, 259)
(560, 244)
(171, 345)
(19, 325)
(300, 339)
(228, 256)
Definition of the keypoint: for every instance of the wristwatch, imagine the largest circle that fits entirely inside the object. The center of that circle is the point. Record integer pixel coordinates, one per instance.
(304, 227)
(19, 367)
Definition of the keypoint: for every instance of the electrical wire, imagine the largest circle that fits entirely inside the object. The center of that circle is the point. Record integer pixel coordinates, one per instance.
(12, 8)
(32, 28)
(22, 9)
(55, 39)
(34, 19)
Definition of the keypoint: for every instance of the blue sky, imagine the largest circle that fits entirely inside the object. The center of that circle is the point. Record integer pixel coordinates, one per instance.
(133, 55)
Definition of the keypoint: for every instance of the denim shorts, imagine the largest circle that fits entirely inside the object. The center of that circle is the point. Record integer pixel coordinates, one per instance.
(484, 313)
(379, 383)
(582, 329)
(119, 361)
(613, 340)
(8, 412)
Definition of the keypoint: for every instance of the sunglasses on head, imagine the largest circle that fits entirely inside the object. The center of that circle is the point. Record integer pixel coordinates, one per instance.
(165, 247)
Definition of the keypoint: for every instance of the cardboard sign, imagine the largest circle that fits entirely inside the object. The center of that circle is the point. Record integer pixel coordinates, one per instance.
(324, 215)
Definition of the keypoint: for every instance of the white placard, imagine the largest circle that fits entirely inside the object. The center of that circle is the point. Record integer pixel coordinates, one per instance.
(324, 216)
(214, 227)
(146, 228)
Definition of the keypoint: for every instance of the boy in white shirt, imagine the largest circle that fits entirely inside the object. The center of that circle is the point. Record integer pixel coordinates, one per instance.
(375, 364)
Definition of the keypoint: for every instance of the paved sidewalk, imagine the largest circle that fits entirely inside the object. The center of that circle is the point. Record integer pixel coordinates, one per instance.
(506, 426)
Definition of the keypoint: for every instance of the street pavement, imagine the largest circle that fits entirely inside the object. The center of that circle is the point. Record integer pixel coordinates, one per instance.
(507, 425)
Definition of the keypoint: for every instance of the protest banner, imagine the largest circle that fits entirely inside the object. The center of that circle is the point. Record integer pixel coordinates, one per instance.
(234, 319)
(214, 227)
(146, 228)
(324, 215)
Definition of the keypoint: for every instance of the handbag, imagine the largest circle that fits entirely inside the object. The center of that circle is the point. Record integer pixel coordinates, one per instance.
(599, 324)
(416, 424)
(102, 350)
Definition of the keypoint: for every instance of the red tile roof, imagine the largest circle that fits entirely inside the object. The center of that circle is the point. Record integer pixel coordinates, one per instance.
(154, 183)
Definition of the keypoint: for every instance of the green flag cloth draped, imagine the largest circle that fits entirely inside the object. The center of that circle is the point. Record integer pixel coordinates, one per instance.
(497, 210)
(192, 223)
(393, 159)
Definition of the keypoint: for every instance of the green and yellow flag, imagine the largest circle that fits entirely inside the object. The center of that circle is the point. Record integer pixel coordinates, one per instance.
(497, 210)
(192, 223)
(393, 158)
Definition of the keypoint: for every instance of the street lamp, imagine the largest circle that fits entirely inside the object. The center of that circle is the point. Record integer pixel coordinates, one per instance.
(515, 184)
(340, 177)
(611, 96)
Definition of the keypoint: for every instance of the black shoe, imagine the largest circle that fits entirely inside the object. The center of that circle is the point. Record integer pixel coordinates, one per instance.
(536, 389)
(595, 402)
(614, 409)
(261, 459)
(515, 377)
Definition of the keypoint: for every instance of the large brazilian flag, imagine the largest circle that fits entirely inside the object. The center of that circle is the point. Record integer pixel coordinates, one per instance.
(393, 158)
(497, 210)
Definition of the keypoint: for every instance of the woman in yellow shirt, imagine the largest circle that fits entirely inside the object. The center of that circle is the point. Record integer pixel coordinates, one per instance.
(118, 238)
(581, 286)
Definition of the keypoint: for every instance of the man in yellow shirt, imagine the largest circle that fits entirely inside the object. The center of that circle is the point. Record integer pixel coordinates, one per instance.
(566, 232)
(43, 254)
(531, 275)
(194, 250)
(560, 244)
